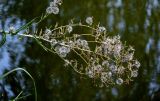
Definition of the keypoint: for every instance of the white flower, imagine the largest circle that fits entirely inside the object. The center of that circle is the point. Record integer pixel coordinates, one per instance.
(69, 29)
(117, 37)
(52, 4)
(53, 42)
(89, 20)
(101, 29)
(90, 73)
(71, 43)
(56, 3)
(109, 74)
(136, 64)
(98, 69)
(62, 50)
(110, 47)
(54, 10)
(105, 63)
(49, 10)
(113, 68)
(128, 57)
(82, 43)
(78, 42)
(134, 73)
(117, 49)
(48, 31)
(12, 29)
(120, 70)
(119, 81)
(105, 76)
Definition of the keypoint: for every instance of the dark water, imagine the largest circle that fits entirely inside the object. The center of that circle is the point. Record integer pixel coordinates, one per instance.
(136, 21)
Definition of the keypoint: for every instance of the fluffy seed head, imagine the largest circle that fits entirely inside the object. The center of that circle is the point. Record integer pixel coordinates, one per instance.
(89, 20)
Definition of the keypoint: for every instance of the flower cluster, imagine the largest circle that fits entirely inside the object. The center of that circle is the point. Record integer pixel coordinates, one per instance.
(112, 46)
(82, 44)
(115, 63)
(53, 7)
(103, 58)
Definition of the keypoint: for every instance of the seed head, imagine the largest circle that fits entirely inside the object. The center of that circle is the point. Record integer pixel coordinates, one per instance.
(134, 73)
(69, 29)
(101, 29)
(48, 31)
(119, 81)
(89, 20)
(54, 10)
(53, 42)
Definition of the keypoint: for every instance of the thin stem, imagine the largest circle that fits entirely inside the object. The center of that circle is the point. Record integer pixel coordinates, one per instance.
(74, 25)
(21, 97)
(64, 61)
(80, 56)
(31, 36)
(18, 96)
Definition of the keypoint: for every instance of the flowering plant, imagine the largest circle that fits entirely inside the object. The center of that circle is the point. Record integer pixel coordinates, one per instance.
(103, 58)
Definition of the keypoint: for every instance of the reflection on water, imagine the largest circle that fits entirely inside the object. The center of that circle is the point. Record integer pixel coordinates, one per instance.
(10, 54)
(13, 48)
(137, 21)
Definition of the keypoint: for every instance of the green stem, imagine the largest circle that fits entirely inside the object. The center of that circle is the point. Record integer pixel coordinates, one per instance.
(3, 39)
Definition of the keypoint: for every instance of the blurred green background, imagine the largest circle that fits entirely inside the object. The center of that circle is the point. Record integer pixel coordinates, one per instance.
(136, 21)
